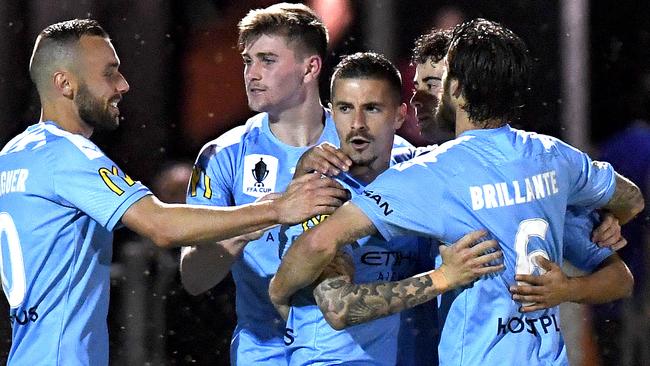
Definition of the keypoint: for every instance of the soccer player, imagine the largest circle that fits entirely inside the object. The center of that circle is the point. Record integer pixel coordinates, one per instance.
(61, 198)
(514, 183)
(428, 57)
(367, 110)
(283, 48)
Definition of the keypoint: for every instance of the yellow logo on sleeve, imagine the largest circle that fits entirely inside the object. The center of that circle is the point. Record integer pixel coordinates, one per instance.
(108, 176)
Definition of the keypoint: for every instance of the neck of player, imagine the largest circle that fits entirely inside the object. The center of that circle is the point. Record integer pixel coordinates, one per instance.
(66, 118)
(300, 125)
(367, 173)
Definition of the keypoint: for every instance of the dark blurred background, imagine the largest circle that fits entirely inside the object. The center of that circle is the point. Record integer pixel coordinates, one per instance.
(590, 86)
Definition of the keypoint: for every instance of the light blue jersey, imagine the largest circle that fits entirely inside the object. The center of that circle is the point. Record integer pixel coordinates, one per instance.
(311, 340)
(60, 200)
(578, 247)
(517, 185)
(239, 167)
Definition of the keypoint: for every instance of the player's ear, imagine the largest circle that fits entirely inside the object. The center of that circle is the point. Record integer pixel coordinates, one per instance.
(401, 116)
(313, 66)
(63, 84)
(455, 88)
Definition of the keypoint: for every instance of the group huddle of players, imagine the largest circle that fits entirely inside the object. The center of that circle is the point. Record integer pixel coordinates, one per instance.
(347, 244)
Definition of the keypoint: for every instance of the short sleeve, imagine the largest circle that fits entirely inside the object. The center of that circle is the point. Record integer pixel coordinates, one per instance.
(578, 247)
(394, 204)
(592, 183)
(93, 183)
(212, 178)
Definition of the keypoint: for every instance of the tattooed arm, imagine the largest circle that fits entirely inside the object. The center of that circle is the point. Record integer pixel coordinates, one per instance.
(344, 303)
(314, 250)
(627, 200)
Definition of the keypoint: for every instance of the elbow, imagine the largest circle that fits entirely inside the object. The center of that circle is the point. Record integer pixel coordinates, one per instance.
(625, 279)
(637, 203)
(640, 204)
(336, 322)
(275, 291)
(319, 246)
(191, 288)
(190, 284)
(627, 284)
(162, 237)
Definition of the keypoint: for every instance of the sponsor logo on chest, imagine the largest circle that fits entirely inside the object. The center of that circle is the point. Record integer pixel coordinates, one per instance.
(260, 174)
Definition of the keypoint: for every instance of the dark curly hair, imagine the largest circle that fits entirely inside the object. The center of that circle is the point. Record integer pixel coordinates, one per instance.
(492, 65)
(432, 45)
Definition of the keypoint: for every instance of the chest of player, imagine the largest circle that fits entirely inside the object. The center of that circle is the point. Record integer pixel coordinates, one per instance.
(261, 172)
(378, 260)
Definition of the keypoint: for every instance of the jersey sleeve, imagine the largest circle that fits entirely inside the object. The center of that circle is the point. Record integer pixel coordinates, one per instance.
(578, 247)
(405, 153)
(85, 178)
(394, 204)
(592, 184)
(212, 177)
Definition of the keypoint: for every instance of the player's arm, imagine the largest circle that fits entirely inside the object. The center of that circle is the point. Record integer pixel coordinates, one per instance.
(170, 225)
(344, 303)
(204, 266)
(627, 200)
(612, 280)
(313, 250)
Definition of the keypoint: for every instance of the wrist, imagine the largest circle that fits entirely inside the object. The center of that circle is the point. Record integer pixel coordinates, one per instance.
(573, 291)
(440, 280)
(274, 212)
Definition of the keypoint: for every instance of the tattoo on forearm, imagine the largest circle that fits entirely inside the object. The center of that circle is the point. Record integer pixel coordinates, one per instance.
(352, 304)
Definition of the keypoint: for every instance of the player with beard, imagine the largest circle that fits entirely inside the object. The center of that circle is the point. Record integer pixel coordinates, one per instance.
(61, 198)
(428, 59)
(340, 298)
(283, 47)
(367, 111)
(514, 183)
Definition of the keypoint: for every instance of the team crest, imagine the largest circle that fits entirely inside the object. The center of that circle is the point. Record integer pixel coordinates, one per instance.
(260, 173)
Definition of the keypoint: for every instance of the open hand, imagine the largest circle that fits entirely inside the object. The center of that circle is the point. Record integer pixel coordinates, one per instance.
(325, 159)
(307, 196)
(608, 233)
(543, 291)
(463, 262)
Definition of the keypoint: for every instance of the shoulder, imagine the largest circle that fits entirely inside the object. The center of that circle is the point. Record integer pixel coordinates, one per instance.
(70, 145)
(404, 153)
(399, 142)
(47, 137)
(232, 140)
(545, 142)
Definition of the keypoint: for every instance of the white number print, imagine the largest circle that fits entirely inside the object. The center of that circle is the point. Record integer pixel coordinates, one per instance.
(13, 285)
(527, 229)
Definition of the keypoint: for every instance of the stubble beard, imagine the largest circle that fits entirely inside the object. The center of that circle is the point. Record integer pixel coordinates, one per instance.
(94, 112)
